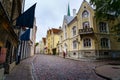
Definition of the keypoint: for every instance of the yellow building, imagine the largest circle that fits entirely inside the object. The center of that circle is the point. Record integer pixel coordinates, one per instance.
(84, 37)
(52, 40)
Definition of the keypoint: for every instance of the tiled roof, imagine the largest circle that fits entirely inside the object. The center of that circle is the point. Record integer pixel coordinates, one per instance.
(44, 40)
(56, 31)
(68, 18)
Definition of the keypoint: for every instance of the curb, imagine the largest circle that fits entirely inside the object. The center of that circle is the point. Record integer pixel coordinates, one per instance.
(107, 78)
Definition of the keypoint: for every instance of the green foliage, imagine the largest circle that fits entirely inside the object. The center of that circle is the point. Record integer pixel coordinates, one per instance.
(106, 8)
(110, 10)
(36, 44)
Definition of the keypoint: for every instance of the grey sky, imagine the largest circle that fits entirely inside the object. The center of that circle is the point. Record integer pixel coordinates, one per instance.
(49, 13)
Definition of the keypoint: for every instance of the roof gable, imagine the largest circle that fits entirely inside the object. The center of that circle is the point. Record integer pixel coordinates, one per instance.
(84, 5)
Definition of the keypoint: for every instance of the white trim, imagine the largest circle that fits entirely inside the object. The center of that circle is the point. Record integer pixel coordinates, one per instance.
(86, 17)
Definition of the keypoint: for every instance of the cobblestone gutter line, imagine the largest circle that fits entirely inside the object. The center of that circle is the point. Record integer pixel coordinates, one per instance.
(34, 77)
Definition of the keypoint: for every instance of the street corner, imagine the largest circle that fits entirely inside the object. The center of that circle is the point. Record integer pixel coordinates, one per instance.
(108, 71)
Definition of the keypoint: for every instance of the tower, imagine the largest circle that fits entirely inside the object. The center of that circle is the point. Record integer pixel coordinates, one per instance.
(68, 11)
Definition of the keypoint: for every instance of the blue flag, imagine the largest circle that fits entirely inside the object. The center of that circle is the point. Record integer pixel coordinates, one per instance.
(25, 36)
(27, 18)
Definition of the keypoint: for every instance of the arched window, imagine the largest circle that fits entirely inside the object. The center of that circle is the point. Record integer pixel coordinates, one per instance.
(65, 32)
(86, 25)
(87, 42)
(74, 30)
(74, 44)
(103, 27)
(104, 42)
(85, 14)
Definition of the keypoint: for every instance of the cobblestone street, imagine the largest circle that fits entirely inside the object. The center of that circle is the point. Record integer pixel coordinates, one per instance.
(57, 68)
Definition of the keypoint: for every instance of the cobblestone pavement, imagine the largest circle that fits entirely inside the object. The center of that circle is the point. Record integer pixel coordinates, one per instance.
(22, 71)
(57, 68)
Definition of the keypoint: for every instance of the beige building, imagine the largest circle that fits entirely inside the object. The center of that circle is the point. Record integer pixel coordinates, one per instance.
(64, 44)
(44, 42)
(28, 46)
(52, 40)
(84, 37)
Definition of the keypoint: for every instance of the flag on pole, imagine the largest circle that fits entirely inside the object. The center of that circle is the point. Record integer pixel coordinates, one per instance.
(25, 36)
(27, 18)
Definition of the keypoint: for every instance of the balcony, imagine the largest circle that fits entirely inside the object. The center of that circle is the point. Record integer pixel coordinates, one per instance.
(86, 31)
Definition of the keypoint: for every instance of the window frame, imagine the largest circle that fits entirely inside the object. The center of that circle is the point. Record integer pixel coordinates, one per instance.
(87, 42)
(85, 14)
(103, 27)
(86, 24)
(74, 44)
(105, 43)
(74, 30)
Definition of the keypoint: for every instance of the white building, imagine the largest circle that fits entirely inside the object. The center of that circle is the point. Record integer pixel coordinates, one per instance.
(28, 46)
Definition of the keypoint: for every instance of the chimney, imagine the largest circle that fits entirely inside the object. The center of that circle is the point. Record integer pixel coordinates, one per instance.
(59, 27)
(74, 12)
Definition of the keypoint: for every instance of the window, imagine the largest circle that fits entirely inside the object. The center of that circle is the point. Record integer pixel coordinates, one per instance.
(65, 32)
(74, 53)
(60, 39)
(74, 30)
(103, 27)
(65, 35)
(74, 44)
(106, 53)
(85, 14)
(104, 43)
(86, 25)
(87, 42)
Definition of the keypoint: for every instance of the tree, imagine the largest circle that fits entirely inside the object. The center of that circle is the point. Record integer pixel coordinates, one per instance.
(110, 10)
(36, 44)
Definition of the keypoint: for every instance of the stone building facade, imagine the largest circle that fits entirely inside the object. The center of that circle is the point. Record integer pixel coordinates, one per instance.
(9, 11)
(82, 36)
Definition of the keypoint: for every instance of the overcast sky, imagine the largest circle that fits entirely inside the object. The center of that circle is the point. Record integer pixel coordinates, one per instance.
(50, 13)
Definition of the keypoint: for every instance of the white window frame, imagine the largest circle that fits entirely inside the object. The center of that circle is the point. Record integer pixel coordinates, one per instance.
(86, 25)
(85, 14)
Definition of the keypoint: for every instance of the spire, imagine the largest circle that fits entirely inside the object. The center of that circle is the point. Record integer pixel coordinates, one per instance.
(68, 12)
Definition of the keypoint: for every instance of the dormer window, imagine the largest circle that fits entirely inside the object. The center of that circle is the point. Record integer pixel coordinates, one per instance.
(85, 14)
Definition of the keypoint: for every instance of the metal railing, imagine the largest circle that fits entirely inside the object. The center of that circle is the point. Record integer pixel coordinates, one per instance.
(86, 31)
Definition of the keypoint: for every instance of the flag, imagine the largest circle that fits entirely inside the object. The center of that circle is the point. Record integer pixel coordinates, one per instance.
(27, 18)
(25, 36)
